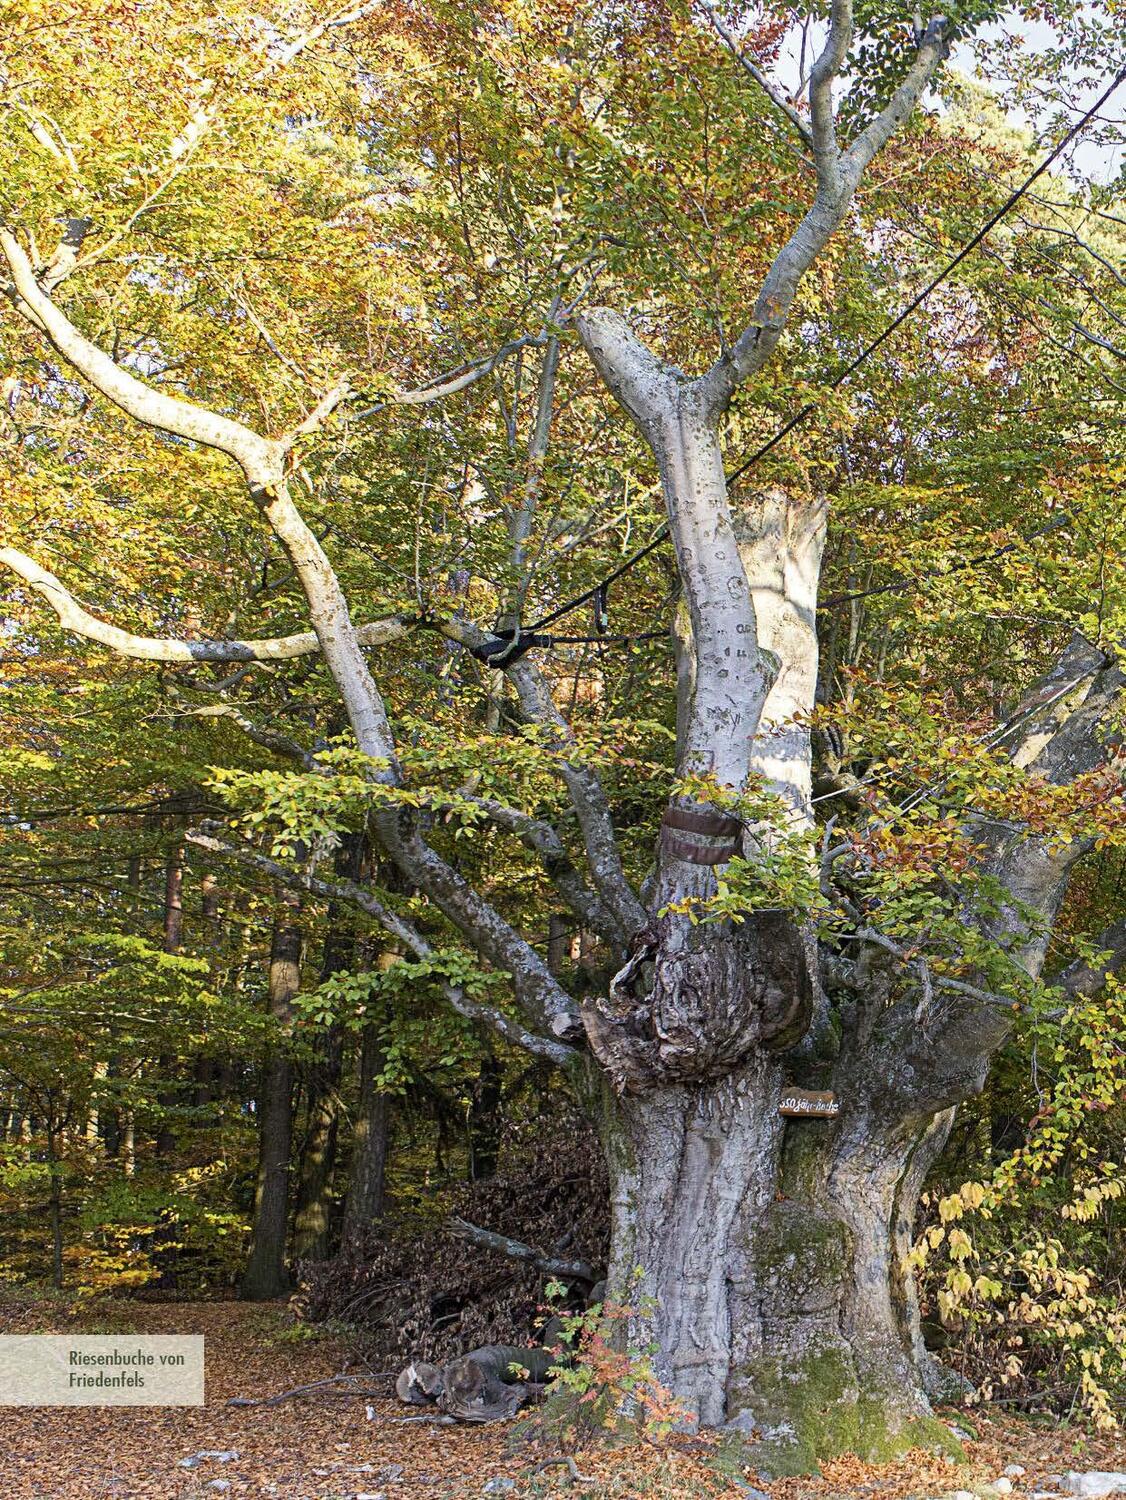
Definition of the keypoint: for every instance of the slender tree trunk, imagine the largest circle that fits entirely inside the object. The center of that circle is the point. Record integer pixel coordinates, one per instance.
(111, 1128)
(165, 1237)
(312, 1222)
(128, 1143)
(205, 1067)
(313, 1219)
(55, 1208)
(173, 938)
(364, 1203)
(485, 1120)
(266, 1276)
(558, 941)
(94, 1121)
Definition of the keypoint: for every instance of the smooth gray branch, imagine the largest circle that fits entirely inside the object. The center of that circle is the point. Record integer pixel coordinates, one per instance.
(754, 72)
(550, 1265)
(403, 931)
(72, 616)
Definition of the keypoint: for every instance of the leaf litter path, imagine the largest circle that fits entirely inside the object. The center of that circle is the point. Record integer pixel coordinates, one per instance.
(320, 1447)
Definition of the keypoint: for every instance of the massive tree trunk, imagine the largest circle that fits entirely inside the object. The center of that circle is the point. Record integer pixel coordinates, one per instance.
(770, 1249)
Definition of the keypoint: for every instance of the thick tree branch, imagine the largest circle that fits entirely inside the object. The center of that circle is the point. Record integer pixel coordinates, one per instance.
(933, 44)
(838, 175)
(262, 462)
(258, 457)
(403, 931)
(644, 385)
(582, 782)
(543, 999)
(269, 739)
(550, 1265)
(825, 70)
(320, 414)
(453, 381)
(1062, 730)
(587, 797)
(543, 840)
(1082, 978)
(161, 648)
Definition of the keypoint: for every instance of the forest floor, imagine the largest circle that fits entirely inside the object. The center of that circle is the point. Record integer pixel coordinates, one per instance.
(320, 1446)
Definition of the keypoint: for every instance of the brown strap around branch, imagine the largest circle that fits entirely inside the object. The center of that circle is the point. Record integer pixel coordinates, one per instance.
(699, 854)
(712, 824)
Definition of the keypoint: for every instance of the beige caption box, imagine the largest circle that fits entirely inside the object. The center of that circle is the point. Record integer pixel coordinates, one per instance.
(119, 1369)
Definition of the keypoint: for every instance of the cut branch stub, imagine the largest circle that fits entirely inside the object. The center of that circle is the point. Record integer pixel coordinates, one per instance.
(419, 1384)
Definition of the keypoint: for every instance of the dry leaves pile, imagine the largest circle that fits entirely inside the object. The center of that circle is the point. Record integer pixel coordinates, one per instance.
(325, 1447)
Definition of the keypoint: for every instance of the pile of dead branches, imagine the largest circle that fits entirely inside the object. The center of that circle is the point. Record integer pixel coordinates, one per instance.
(427, 1286)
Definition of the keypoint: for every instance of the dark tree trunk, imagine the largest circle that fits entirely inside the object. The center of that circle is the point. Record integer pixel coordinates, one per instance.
(485, 1120)
(558, 941)
(364, 1203)
(205, 1069)
(312, 1221)
(173, 937)
(318, 1156)
(111, 1112)
(55, 1208)
(165, 1237)
(266, 1274)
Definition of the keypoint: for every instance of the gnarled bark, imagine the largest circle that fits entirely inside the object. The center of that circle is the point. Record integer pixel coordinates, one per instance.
(763, 1257)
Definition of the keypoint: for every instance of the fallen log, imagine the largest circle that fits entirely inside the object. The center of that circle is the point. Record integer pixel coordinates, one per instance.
(491, 1383)
(486, 1385)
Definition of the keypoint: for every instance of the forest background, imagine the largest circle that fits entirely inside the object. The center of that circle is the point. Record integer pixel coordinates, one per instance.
(374, 229)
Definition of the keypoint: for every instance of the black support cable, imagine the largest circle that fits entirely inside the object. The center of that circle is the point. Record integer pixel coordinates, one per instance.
(850, 369)
(502, 647)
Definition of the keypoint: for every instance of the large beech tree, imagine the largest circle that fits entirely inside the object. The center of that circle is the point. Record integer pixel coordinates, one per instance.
(762, 1255)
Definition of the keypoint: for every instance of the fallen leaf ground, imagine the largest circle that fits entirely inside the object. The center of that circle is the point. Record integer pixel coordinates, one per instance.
(325, 1447)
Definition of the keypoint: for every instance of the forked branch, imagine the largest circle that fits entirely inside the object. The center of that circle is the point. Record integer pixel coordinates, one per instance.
(839, 171)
